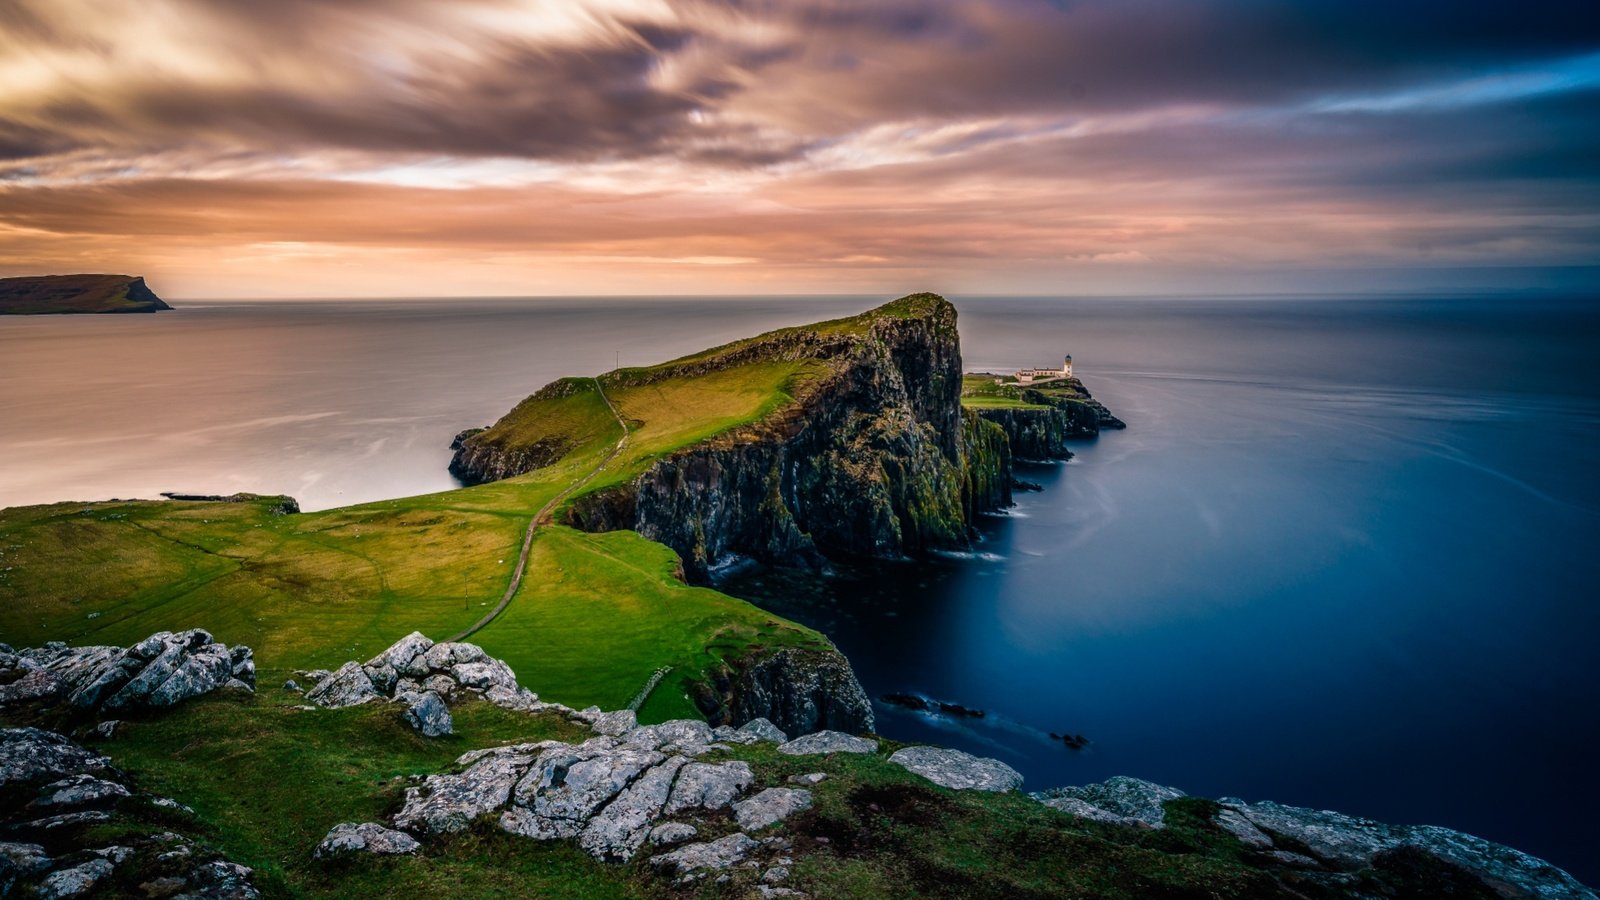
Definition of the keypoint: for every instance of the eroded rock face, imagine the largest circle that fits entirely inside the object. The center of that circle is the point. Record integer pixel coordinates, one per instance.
(828, 742)
(162, 670)
(428, 715)
(797, 690)
(54, 791)
(366, 837)
(710, 856)
(957, 770)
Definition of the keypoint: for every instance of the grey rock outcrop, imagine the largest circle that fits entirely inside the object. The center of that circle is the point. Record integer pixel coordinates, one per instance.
(365, 837)
(52, 791)
(1119, 800)
(706, 786)
(710, 856)
(770, 807)
(162, 670)
(670, 834)
(425, 676)
(428, 715)
(1350, 843)
(828, 742)
(957, 770)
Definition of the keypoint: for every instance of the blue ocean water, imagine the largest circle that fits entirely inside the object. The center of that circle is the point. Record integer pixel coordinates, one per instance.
(1344, 555)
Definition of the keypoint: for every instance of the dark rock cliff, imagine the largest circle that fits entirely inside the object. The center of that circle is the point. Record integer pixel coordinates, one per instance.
(799, 690)
(1070, 413)
(876, 460)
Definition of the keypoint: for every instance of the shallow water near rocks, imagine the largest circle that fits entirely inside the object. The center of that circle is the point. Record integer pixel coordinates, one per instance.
(1343, 556)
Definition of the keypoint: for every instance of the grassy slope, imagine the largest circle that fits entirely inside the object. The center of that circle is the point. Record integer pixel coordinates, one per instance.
(982, 392)
(315, 589)
(45, 294)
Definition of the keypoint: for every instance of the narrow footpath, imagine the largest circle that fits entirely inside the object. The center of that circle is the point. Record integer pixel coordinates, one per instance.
(543, 517)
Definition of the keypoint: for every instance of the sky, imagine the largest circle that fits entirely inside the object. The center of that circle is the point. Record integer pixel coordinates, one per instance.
(236, 148)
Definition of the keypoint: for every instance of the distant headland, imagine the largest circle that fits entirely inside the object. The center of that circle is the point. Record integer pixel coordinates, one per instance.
(37, 295)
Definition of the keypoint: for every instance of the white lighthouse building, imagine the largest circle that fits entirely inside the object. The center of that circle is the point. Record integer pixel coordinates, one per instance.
(1026, 375)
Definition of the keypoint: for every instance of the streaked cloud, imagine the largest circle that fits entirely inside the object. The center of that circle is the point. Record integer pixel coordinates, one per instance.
(631, 144)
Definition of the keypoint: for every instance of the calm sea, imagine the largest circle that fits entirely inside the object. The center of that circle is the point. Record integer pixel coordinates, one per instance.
(1344, 556)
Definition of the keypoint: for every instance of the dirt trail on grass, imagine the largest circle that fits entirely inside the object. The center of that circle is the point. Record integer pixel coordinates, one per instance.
(542, 517)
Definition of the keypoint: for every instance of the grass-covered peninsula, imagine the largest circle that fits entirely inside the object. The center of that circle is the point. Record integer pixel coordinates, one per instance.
(585, 559)
(64, 294)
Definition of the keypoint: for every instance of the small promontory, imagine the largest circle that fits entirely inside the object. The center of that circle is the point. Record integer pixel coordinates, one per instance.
(36, 295)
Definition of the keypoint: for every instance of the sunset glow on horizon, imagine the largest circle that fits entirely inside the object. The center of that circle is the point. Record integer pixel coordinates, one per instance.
(226, 148)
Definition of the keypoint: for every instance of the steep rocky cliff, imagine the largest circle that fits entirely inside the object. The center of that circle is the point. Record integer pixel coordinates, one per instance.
(874, 458)
(1053, 416)
(799, 690)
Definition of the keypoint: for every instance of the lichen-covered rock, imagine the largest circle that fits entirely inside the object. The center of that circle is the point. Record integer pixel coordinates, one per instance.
(770, 807)
(75, 881)
(1119, 799)
(162, 670)
(957, 770)
(1351, 843)
(620, 829)
(690, 736)
(427, 713)
(670, 834)
(709, 856)
(220, 880)
(449, 803)
(763, 730)
(33, 754)
(406, 656)
(709, 786)
(567, 785)
(615, 723)
(828, 742)
(349, 686)
(75, 793)
(365, 837)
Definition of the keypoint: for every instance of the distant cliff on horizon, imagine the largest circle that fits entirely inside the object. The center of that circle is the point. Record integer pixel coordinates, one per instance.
(38, 295)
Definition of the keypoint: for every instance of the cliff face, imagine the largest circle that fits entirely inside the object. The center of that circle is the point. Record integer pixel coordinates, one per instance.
(800, 691)
(875, 460)
(1040, 434)
(64, 294)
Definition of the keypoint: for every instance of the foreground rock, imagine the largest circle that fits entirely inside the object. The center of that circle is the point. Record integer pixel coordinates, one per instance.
(959, 771)
(828, 742)
(366, 837)
(1328, 848)
(55, 794)
(162, 670)
(425, 676)
(1120, 800)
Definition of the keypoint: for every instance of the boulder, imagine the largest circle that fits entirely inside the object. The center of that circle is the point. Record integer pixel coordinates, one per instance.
(349, 686)
(828, 742)
(406, 656)
(162, 670)
(615, 723)
(366, 837)
(484, 675)
(1120, 799)
(710, 856)
(75, 793)
(450, 653)
(220, 880)
(670, 834)
(428, 715)
(763, 730)
(33, 754)
(958, 771)
(566, 785)
(810, 779)
(449, 803)
(709, 786)
(770, 807)
(76, 881)
(677, 736)
(620, 829)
